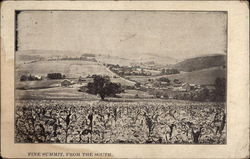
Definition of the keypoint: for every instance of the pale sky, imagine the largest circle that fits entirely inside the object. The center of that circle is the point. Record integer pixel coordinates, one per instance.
(174, 34)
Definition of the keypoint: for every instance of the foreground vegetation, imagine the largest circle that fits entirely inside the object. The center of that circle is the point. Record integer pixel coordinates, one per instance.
(158, 122)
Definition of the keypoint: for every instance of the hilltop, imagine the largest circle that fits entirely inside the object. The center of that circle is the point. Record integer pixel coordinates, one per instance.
(199, 63)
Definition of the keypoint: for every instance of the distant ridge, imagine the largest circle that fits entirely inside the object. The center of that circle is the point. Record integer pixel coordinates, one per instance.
(202, 62)
(152, 58)
(48, 52)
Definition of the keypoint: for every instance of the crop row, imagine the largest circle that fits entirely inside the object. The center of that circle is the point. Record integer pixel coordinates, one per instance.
(52, 121)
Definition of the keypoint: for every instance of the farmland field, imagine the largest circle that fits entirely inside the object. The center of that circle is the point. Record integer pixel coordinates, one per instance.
(72, 69)
(37, 84)
(72, 93)
(141, 122)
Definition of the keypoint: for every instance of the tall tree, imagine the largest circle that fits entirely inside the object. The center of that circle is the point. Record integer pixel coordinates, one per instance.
(102, 86)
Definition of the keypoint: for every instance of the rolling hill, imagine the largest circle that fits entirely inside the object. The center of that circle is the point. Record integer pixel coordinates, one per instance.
(128, 60)
(147, 58)
(202, 77)
(199, 63)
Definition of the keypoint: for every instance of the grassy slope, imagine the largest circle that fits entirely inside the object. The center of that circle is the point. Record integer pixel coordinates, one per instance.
(205, 76)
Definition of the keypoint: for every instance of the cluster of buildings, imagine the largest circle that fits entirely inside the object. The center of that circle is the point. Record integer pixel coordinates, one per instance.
(68, 82)
(128, 70)
(180, 87)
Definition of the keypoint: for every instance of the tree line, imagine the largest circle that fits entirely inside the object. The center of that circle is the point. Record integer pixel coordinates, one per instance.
(31, 77)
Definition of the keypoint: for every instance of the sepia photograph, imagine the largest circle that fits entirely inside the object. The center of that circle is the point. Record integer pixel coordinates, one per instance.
(121, 77)
(124, 79)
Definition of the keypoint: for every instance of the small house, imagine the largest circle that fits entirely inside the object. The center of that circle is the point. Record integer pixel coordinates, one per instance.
(66, 83)
(38, 77)
(179, 89)
(164, 83)
(186, 86)
(193, 86)
(83, 88)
